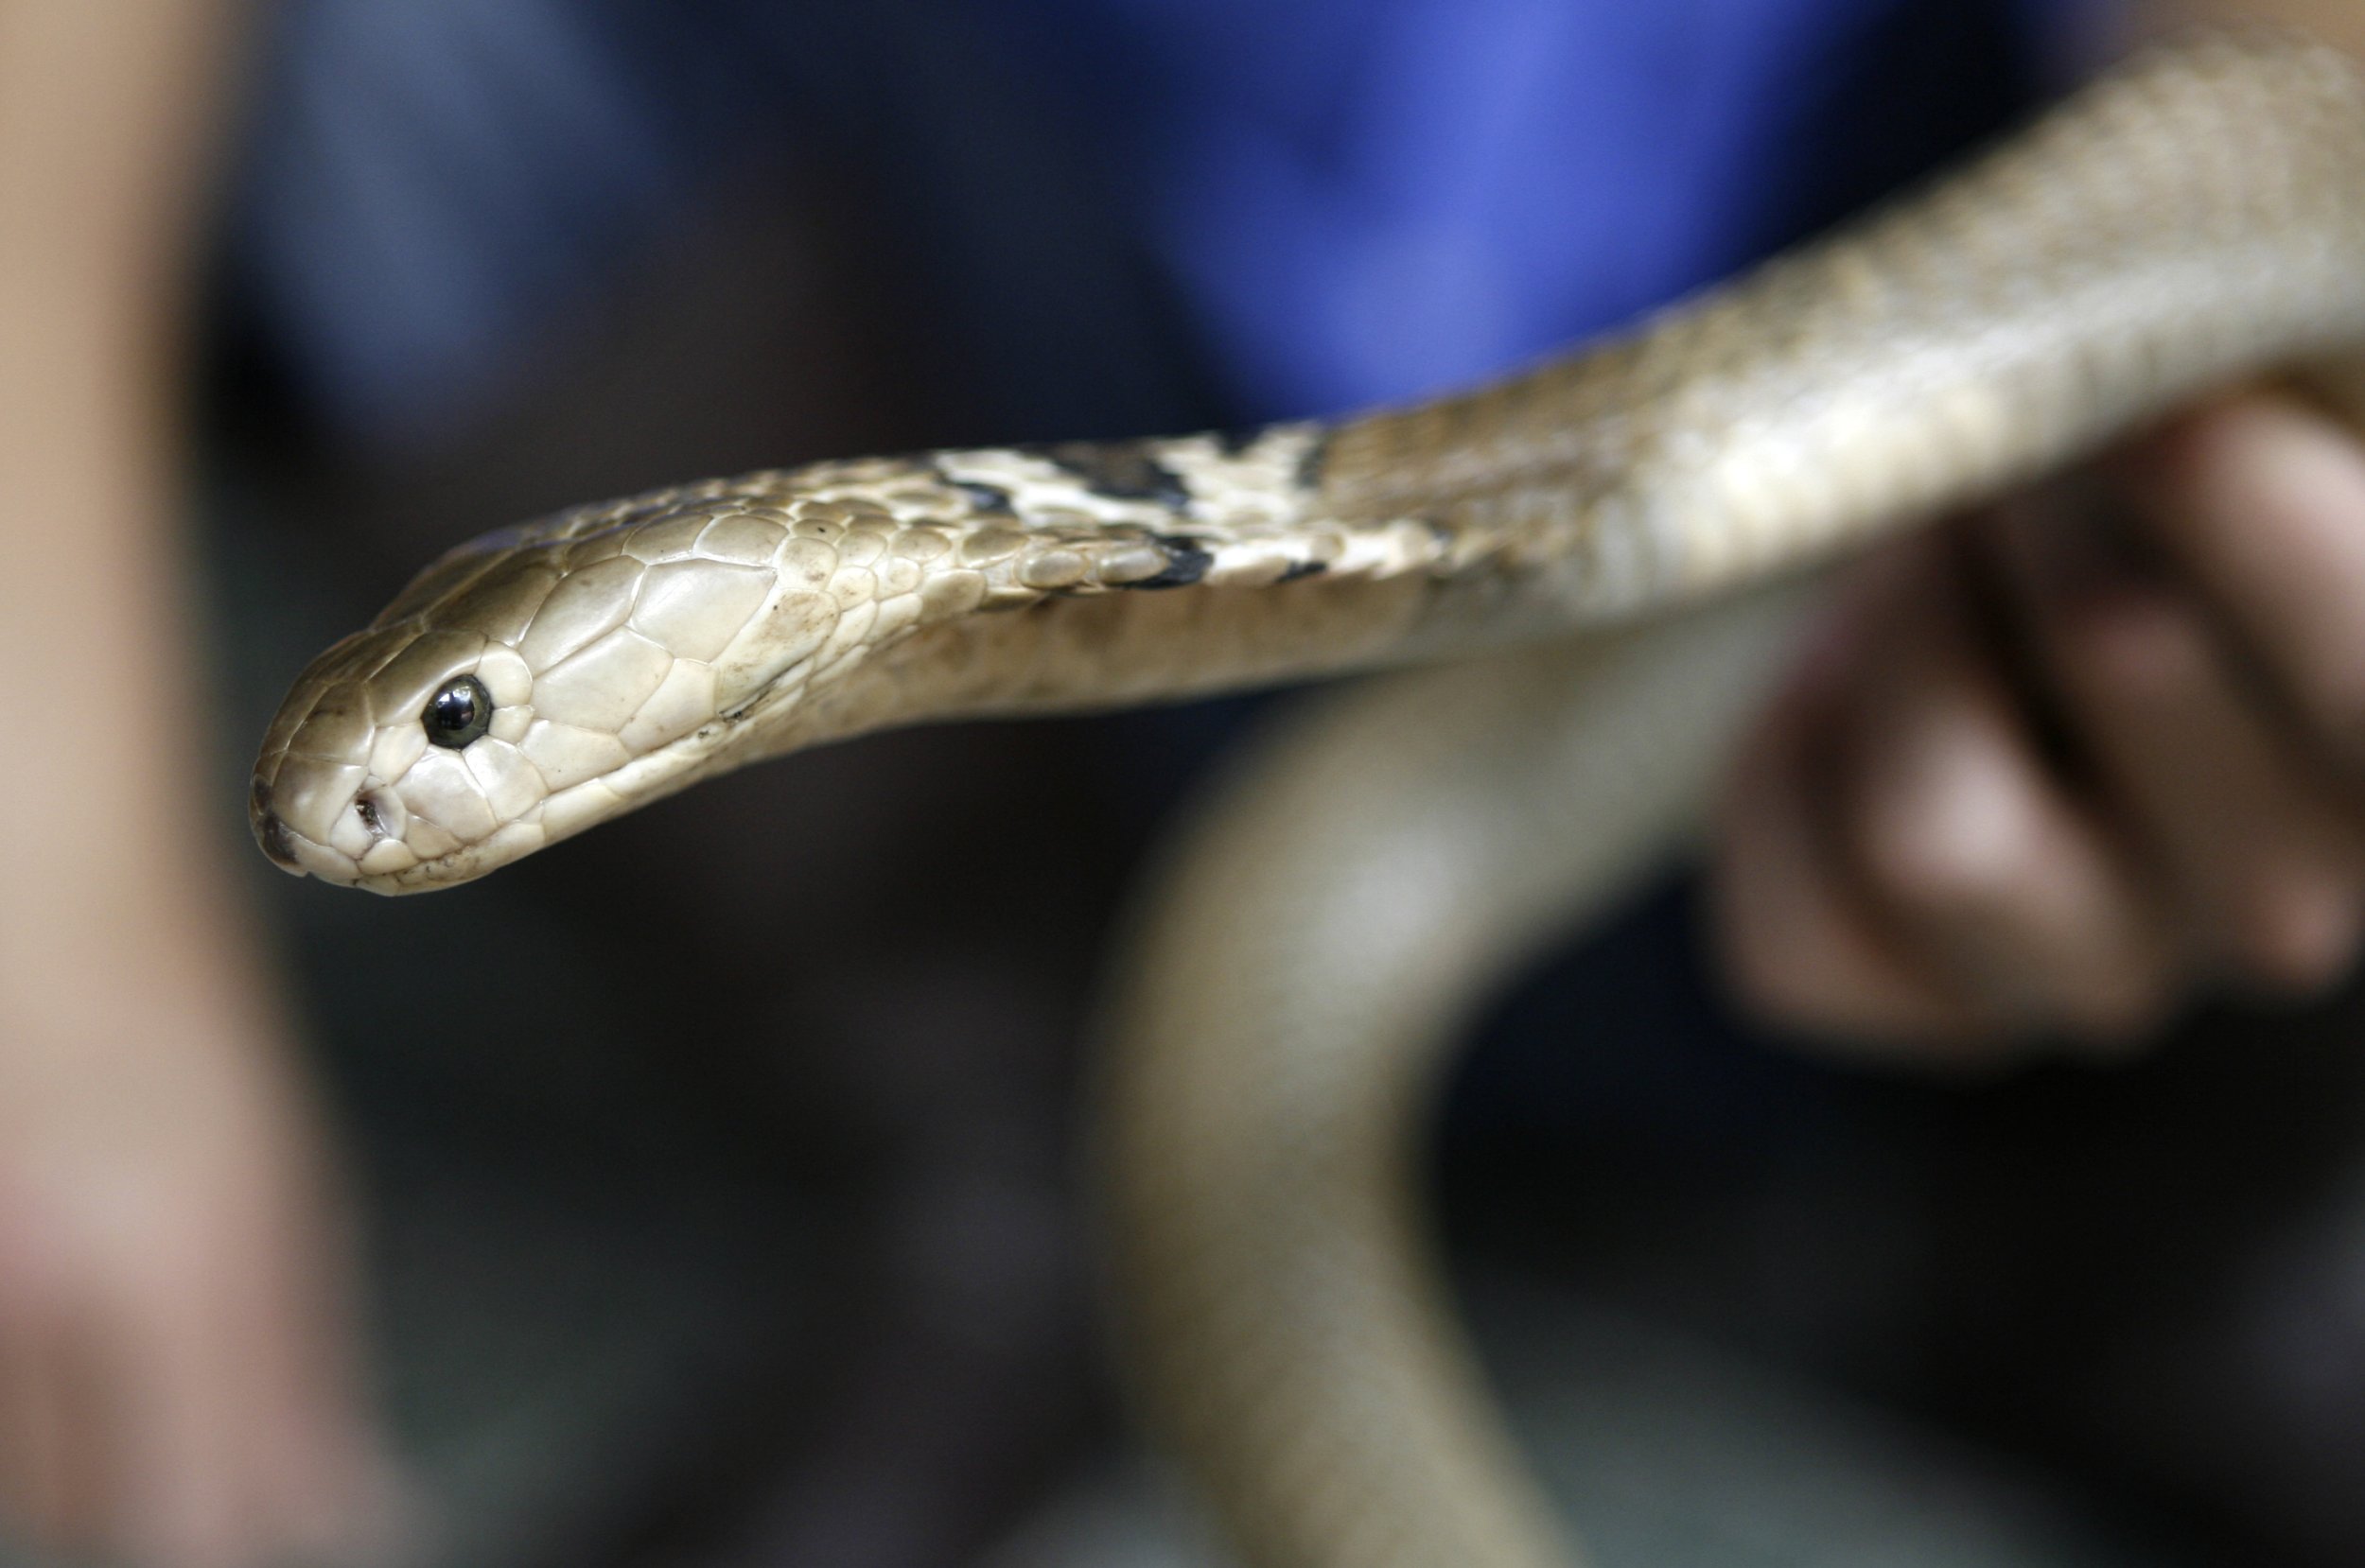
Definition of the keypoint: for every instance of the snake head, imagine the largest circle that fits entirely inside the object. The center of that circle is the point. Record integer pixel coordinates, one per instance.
(528, 685)
(544, 678)
(395, 764)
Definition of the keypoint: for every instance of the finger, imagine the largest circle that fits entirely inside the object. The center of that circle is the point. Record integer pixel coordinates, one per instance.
(1791, 934)
(320, 1485)
(32, 1474)
(267, 1458)
(1987, 865)
(2261, 502)
(43, 1494)
(179, 1421)
(2265, 864)
(52, 1475)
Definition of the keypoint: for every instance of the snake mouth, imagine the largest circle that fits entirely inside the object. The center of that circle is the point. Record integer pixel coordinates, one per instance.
(317, 816)
(299, 856)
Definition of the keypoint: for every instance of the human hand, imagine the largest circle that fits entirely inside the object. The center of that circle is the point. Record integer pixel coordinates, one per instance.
(174, 1387)
(2047, 774)
(175, 1381)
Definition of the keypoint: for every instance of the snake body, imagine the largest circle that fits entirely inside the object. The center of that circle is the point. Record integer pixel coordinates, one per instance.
(2195, 217)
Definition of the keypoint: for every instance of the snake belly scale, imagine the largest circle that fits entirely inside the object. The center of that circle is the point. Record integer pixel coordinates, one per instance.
(2198, 217)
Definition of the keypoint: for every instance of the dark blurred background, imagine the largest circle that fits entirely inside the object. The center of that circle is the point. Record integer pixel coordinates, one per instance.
(735, 1220)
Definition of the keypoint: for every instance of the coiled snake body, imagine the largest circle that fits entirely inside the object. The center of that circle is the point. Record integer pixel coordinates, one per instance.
(2198, 217)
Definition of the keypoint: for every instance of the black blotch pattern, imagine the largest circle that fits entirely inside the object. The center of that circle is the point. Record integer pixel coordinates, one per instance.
(1304, 568)
(1311, 465)
(1187, 561)
(1121, 470)
(985, 497)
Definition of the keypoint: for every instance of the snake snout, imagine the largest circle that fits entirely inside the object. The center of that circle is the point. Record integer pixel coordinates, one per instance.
(270, 832)
(299, 810)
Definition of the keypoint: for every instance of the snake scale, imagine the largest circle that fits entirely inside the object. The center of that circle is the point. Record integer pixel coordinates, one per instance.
(2196, 217)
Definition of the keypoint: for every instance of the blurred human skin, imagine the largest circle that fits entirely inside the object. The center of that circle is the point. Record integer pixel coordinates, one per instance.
(176, 1378)
(2045, 775)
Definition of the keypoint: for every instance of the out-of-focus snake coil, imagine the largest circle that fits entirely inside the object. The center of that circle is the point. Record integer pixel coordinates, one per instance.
(2195, 217)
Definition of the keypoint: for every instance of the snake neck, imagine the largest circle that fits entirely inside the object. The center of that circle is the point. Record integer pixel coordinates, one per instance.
(1092, 575)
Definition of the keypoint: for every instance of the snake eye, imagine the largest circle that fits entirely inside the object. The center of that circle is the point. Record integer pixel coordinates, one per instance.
(458, 713)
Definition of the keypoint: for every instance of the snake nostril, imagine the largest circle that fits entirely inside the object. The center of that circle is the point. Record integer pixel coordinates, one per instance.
(381, 814)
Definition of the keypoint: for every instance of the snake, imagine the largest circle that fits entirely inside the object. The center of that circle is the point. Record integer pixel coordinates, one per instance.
(1578, 577)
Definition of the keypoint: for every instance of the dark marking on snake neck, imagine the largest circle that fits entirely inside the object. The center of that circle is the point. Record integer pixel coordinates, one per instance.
(985, 497)
(1187, 561)
(1120, 470)
(1304, 568)
(1309, 474)
(981, 496)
